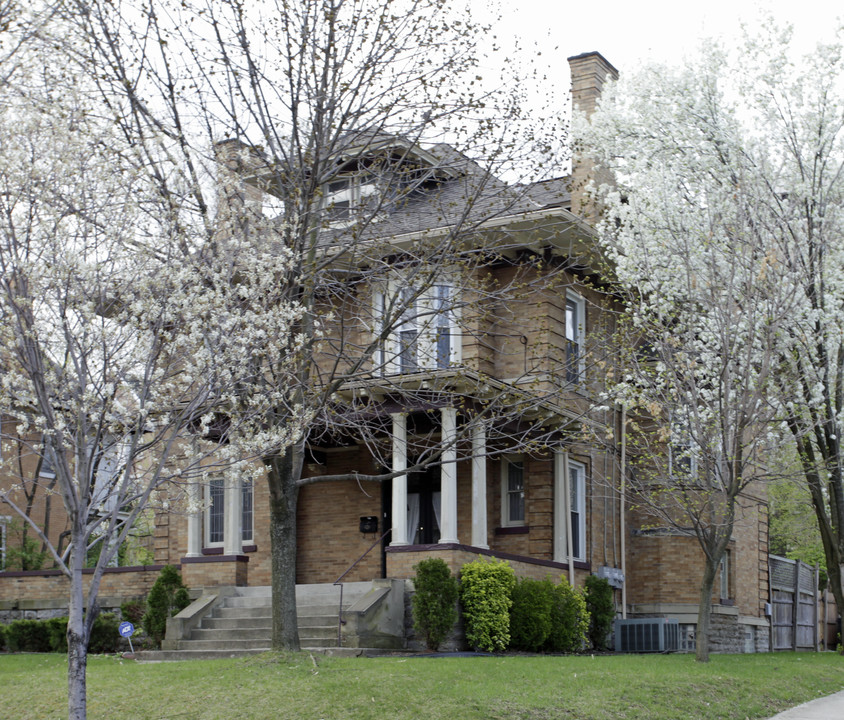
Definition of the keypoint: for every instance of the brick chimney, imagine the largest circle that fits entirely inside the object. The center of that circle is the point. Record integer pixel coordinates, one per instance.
(589, 72)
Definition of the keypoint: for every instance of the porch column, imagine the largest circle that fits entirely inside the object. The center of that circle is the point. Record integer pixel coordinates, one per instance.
(563, 540)
(195, 520)
(479, 506)
(399, 534)
(448, 476)
(233, 519)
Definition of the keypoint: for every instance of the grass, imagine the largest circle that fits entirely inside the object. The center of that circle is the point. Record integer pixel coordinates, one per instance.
(282, 686)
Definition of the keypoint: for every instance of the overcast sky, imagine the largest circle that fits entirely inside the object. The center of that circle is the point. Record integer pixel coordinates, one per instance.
(630, 33)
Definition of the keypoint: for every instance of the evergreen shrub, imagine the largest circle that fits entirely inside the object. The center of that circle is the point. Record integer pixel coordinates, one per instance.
(105, 637)
(569, 619)
(166, 598)
(2, 637)
(28, 636)
(434, 601)
(57, 632)
(530, 616)
(599, 603)
(486, 588)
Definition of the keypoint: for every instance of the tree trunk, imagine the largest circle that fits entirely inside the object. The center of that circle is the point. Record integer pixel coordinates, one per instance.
(283, 474)
(704, 613)
(77, 639)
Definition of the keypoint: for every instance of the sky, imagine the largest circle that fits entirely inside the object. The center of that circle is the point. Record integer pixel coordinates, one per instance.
(629, 34)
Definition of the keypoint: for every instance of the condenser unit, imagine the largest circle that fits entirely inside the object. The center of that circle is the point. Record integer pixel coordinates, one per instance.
(641, 635)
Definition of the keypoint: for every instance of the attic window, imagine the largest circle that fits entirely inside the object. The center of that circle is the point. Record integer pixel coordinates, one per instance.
(346, 198)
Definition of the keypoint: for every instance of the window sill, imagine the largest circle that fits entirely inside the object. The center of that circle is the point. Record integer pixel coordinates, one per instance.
(513, 530)
(219, 550)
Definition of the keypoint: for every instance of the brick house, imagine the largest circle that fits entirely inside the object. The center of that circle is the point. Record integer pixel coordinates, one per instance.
(543, 490)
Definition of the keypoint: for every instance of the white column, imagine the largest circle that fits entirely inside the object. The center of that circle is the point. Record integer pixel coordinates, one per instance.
(233, 519)
(448, 476)
(479, 503)
(399, 534)
(559, 508)
(195, 520)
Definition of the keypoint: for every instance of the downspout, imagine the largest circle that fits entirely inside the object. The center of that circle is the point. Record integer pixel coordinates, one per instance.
(623, 498)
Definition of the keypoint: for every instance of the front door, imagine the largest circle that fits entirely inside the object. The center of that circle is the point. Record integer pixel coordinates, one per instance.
(423, 507)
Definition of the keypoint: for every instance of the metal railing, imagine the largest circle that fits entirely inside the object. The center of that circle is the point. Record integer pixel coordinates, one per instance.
(339, 581)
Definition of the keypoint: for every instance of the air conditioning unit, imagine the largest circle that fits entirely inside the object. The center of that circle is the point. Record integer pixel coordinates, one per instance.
(641, 635)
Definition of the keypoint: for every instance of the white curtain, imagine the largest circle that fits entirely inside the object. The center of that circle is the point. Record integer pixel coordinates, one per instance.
(437, 503)
(412, 516)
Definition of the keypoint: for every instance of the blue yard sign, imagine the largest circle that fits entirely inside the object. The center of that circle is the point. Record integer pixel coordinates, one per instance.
(126, 629)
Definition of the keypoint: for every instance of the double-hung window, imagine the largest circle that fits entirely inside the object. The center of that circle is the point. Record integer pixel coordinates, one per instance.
(419, 327)
(575, 333)
(347, 197)
(512, 492)
(216, 512)
(4, 521)
(577, 509)
(569, 508)
(682, 453)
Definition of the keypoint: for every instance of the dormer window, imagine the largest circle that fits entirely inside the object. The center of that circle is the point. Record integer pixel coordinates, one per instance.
(347, 197)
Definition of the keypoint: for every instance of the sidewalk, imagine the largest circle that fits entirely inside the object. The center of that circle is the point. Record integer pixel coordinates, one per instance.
(825, 708)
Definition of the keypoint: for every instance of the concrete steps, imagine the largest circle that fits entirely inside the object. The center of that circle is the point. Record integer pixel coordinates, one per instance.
(242, 624)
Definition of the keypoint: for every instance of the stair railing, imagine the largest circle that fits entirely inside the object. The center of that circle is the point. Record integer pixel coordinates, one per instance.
(339, 581)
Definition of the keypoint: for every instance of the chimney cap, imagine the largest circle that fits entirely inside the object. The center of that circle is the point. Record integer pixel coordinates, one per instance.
(585, 55)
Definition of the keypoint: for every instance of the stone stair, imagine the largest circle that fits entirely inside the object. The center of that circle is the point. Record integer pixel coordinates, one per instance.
(241, 624)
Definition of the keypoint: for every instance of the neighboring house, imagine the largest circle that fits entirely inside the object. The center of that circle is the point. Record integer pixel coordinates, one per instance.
(541, 487)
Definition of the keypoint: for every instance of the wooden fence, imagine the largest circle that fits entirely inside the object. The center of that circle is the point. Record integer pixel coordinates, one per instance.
(801, 617)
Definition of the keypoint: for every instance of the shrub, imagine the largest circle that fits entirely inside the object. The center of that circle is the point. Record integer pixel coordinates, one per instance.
(28, 636)
(57, 633)
(2, 637)
(133, 611)
(599, 603)
(485, 591)
(569, 619)
(167, 597)
(530, 616)
(105, 637)
(435, 601)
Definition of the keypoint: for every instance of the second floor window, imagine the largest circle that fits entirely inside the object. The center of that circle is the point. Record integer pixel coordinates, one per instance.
(575, 330)
(425, 334)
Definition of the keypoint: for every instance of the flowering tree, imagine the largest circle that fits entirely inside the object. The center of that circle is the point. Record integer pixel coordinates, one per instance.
(318, 112)
(108, 362)
(701, 266)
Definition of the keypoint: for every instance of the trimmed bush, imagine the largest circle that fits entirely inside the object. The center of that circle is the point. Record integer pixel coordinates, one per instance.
(28, 636)
(486, 587)
(434, 601)
(57, 632)
(2, 637)
(599, 603)
(530, 616)
(569, 619)
(166, 598)
(105, 637)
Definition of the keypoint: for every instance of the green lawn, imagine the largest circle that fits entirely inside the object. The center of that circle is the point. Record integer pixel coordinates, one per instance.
(451, 688)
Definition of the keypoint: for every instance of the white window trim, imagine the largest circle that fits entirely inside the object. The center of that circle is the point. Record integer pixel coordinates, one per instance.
(424, 317)
(353, 193)
(5, 520)
(682, 443)
(563, 509)
(206, 516)
(506, 521)
(579, 303)
(724, 576)
(579, 469)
